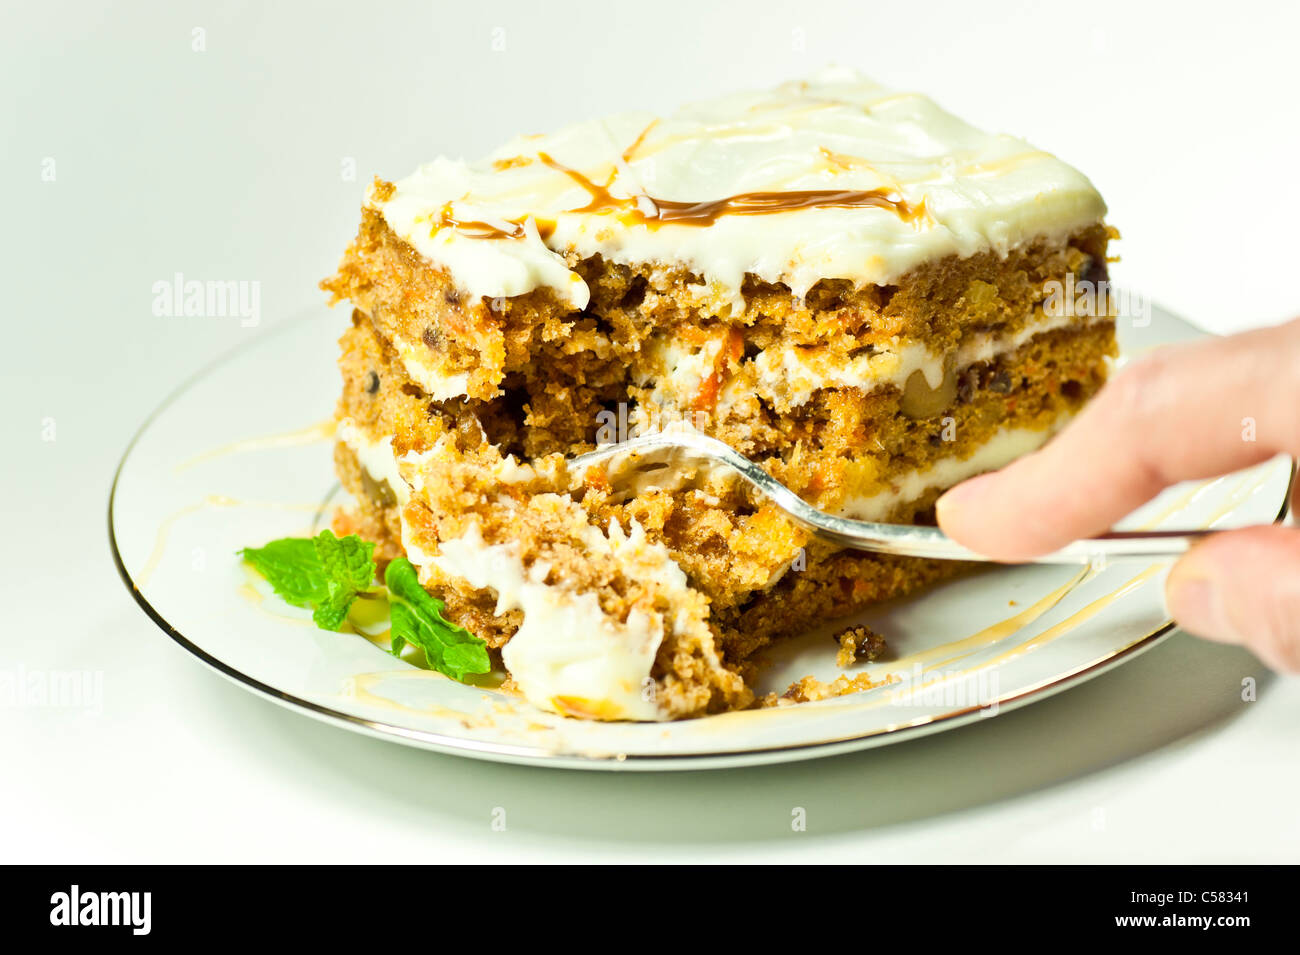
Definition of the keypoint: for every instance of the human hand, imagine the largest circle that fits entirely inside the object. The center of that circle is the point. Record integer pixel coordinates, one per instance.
(1184, 412)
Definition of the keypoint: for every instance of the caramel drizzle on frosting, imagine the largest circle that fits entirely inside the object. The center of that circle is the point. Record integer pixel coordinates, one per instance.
(636, 143)
(745, 204)
(768, 203)
(653, 212)
(477, 229)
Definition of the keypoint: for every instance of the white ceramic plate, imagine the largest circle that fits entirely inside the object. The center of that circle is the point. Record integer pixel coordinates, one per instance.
(222, 465)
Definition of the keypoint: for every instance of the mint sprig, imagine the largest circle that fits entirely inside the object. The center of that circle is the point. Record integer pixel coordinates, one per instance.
(292, 568)
(417, 618)
(326, 574)
(349, 567)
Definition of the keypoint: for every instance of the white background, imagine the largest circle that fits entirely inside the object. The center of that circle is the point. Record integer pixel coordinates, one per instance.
(227, 164)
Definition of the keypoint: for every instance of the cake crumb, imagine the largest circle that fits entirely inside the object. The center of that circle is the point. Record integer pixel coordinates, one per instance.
(857, 645)
(809, 689)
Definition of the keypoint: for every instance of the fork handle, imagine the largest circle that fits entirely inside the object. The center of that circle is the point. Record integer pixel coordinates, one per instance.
(912, 541)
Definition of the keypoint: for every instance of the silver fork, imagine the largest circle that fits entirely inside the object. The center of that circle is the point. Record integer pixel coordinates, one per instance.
(903, 539)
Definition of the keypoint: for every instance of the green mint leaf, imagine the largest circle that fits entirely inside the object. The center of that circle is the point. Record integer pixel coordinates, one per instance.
(349, 567)
(292, 568)
(417, 618)
(324, 572)
(348, 561)
(331, 612)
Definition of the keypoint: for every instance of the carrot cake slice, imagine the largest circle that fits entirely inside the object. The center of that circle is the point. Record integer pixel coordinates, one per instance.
(846, 284)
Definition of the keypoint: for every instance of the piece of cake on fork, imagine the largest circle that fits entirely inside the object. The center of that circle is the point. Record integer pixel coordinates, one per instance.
(846, 284)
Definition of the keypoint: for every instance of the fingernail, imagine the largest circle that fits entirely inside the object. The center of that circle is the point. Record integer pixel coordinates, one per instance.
(1196, 604)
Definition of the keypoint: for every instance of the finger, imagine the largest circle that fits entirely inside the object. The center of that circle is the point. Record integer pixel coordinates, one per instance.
(1243, 587)
(1184, 412)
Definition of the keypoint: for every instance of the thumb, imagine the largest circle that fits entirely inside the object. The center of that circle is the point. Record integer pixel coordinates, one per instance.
(1243, 587)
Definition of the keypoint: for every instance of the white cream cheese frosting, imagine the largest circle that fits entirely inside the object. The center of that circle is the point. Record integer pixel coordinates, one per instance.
(376, 456)
(568, 655)
(788, 375)
(1005, 446)
(867, 184)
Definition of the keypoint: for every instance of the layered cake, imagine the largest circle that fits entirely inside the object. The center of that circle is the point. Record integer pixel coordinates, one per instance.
(845, 284)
